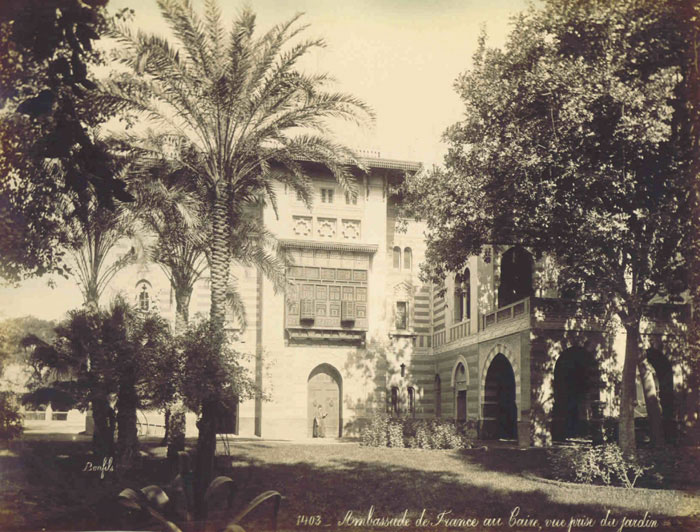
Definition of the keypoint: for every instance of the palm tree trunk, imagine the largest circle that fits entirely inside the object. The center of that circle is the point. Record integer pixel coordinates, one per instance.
(627, 440)
(206, 450)
(220, 261)
(175, 428)
(183, 294)
(127, 437)
(103, 435)
(166, 425)
(219, 265)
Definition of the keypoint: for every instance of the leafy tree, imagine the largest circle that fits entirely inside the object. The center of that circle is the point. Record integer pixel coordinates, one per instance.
(212, 377)
(10, 418)
(239, 104)
(689, 14)
(74, 363)
(572, 143)
(98, 354)
(13, 331)
(46, 113)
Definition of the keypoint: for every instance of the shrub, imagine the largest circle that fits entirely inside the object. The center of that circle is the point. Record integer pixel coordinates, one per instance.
(607, 463)
(395, 434)
(10, 418)
(383, 431)
(423, 438)
(600, 464)
(445, 436)
(375, 433)
(469, 430)
(176, 501)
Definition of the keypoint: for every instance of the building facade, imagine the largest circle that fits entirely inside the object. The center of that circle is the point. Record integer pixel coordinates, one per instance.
(356, 332)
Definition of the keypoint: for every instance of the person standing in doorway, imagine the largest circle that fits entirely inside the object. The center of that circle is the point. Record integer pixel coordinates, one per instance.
(319, 423)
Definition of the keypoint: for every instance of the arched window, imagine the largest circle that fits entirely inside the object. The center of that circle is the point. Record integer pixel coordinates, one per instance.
(462, 296)
(394, 401)
(144, 301)
(516, 276)
(407, 259)
(460, 389)
(438, 396)
(412, 401)
(397, 258)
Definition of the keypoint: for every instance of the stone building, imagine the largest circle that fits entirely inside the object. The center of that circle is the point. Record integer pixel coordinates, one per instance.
(356, 332)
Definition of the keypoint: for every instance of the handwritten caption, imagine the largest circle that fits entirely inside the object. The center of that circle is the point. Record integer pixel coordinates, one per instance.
(106, 467)
(448, 519)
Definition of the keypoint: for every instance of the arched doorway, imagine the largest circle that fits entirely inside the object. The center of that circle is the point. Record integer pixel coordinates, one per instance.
(516, 276)
(460, 379)
(663, 378)
(576, 386)
(325, 391)
(500, 413)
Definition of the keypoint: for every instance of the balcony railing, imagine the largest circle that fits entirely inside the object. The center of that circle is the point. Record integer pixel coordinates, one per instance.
(439, 338)
(514, 310)
(459, 330)
(556, 310)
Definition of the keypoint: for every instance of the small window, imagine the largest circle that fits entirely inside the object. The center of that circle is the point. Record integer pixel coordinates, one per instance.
(412, 401)
(397, 258)
(462, 297)
(326, 195)
(407, 259)
(394, 401)
(401, 315)
(144, 299)
(350, 198)
(299, 198)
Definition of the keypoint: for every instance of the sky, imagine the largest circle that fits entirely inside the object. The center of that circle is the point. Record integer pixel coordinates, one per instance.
(399, 56)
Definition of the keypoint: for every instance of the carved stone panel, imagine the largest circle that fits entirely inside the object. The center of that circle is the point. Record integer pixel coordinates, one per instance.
(351, 229)
(302, 225)
(326, 227)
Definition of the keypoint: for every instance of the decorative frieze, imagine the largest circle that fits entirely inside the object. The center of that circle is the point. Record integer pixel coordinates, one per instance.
(326, 227)
(351, 229)
(302, 226)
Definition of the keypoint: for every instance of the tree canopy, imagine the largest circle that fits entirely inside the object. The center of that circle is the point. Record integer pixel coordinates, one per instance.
(47, 113)
(573, 142)
(238, 105)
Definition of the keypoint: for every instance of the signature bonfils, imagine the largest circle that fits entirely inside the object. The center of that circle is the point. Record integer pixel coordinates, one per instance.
(106, 467)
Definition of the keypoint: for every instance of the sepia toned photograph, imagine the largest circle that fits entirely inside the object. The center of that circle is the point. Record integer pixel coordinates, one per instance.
(352, 266)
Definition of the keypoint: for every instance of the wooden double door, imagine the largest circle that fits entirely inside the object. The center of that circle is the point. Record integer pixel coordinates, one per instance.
(324, 405)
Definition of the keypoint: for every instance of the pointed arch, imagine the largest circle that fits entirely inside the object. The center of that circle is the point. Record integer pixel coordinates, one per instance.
(508, 353)
(324, 402)
(459, 360)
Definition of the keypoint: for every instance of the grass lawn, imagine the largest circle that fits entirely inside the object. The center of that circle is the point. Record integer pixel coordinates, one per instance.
(43, 486)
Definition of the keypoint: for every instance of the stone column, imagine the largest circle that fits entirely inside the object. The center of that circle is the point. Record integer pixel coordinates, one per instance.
(524, 440)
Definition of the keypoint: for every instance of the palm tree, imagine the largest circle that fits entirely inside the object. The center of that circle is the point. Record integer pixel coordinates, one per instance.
(93, 230)
(98, 353)
(251, 117)
(97, 231)
(173, 209)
